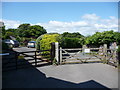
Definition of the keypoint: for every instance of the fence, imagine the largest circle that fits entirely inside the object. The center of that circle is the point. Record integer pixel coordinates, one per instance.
(104, 54)
(17, 60)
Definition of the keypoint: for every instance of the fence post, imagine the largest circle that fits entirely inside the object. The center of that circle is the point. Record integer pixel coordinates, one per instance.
(60, 55)
(16, 59)
(83, 48)
(57, 52)
(114, 51)
(35, 59)
(105, 53)
(52, 53)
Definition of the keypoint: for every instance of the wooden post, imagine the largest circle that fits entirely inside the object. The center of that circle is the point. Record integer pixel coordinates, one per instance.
(16, 59)
(114, 51)
(83, 48)
(60, 55)
(105, 53)
(57, 52)
(35, 59)
(118, 58)
(100, 52)
(52, 51)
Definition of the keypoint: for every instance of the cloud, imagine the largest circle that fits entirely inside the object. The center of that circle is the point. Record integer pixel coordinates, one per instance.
(90, 17)
(88, 25)
(11, 23)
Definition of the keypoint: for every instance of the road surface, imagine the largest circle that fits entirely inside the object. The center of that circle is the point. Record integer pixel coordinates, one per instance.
(24, 49)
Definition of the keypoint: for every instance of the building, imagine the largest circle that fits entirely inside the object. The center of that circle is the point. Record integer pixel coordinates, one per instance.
(1, 24)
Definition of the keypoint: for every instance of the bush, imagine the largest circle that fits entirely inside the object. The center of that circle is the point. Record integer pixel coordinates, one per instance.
(43, 42)
(47, 39)
(118, 50)
(67, 42)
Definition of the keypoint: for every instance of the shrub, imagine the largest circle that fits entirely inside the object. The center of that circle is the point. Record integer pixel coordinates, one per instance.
(67, 42)
(118, 50)
(47, 39)
(43, 42)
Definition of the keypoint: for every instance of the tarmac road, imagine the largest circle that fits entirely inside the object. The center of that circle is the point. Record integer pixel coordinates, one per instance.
(23, 49)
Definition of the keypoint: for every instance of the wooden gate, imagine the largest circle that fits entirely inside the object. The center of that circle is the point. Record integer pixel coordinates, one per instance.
(86, 55)
(16, 60)
(79, 55)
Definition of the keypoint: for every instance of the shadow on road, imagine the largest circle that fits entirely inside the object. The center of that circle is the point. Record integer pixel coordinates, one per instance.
(33, 78)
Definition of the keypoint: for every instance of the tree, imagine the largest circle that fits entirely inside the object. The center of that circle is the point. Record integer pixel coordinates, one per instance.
(117, 37)
(26, 30)
(22, 30)
(2, 31)
(100, 38)
(72, 35)
(67, 42)
(8, 34)
(71, 40)
(36, 31)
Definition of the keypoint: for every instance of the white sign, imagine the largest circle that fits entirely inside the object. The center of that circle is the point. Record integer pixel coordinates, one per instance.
(87, 50)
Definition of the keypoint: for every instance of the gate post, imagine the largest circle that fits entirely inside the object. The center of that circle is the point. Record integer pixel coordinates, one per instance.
(52, 51)
(83, 49)
(105, 53)
(35, 58)
(60, 55)
(55, 52)
(16, 59)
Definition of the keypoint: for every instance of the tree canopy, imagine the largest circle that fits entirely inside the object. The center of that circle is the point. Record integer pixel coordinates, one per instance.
(30, 31)
(71, 40)
(106, 37)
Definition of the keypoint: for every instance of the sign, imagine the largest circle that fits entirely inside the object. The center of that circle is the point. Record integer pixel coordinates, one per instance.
(4, 54)
(86, 50)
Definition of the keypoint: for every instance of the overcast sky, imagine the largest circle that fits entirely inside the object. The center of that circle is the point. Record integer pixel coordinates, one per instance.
(83, 17)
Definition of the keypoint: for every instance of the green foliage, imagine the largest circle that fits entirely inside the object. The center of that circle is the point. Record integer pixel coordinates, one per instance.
(47, 39)
(26, 30)
(2, 31)
(5, 46)
(67, 42)
(71, 40)
(118, 50)
(44, 43)
(22, 30)
(72, 35)
(100, 38)
(24, 41)
(117, 37)
(8, 34)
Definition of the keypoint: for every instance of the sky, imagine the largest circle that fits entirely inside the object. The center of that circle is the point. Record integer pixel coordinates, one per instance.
(58, 17)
